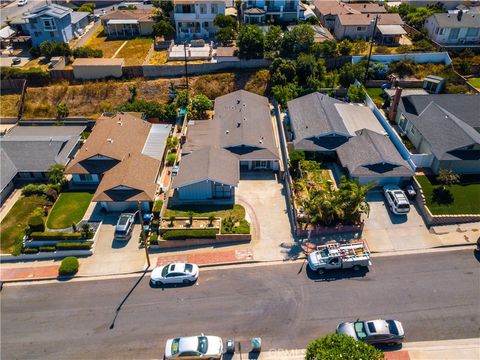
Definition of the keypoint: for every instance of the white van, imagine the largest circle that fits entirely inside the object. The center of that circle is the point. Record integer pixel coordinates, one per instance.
(397, 200)
(124, 227)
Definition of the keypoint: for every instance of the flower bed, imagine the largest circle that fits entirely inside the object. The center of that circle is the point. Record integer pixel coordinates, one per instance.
(189, 234)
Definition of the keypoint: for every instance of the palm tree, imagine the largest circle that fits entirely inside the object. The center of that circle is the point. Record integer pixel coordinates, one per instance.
(211, 219)
(354, 198)
(172, 219)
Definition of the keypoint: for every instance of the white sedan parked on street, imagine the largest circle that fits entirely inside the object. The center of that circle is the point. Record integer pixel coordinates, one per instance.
(194, 347)
(177, 273)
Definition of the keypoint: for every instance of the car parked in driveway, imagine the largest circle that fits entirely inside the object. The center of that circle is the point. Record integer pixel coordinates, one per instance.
(397, 200)
(388, 332)
(177, 273)
(124, 227)
(194, 347)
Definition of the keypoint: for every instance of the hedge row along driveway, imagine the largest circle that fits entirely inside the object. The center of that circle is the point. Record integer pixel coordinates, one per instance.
(68, 209)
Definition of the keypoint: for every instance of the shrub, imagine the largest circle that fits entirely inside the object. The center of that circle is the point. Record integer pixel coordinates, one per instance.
(382, 50)
(157, 207)
(171, 159)
(87, 232)
(51, 194)
(33, 189)
(189, 234)
(243, 228)
(336, 346)
(36, 224)
(32, 75)
(74, 245)
(47, 248)
(87, 52)
(51, 235)
(69, 266)
(153, 239)
(356, 94)
(52, 48)
(30, 250)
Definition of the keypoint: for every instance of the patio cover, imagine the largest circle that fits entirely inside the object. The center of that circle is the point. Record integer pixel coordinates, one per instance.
(6, 32)
(391, 30)
(122, 21)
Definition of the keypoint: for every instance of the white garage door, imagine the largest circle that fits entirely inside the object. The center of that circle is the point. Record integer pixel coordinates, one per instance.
(124, 206)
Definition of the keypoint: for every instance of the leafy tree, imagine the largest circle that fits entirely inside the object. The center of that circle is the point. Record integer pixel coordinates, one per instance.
(356, 94)
(306, 65)
(402, 68)
(224, 21)
(273, 39)
(282, 72)
(132, 89)
(327, 48)
(295, 157)
(163, 28)
(169, 113)
(182, 99)
(299, 39)
(284, 93)
(52, 48)
(225, 35)
(345, 47)
(56, 174)
(312, 20)
(87, 7)
(165, 5)
(62, 111)
(448, 177)
(341, 346)
(348, 73)
(200, 105)
(87, 52)
(251, 42)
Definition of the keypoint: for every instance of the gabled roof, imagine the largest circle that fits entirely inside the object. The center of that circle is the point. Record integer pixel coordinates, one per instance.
(451, 21)
(332, 7)
(8, 169)
(209, 163)
(137, 172)
(79, 15)
(368, 8)
(372, 154)
(315, 115)
(53, 10)
(367, 19)
(445, 132)
(36, 148)
(140, 15)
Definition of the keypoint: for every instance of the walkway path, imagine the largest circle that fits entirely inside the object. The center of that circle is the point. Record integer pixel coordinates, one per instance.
(29, 272)
(9, 202)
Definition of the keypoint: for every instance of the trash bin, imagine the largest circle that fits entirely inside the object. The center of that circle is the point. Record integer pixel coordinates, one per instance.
(230, 347)
(256, 344)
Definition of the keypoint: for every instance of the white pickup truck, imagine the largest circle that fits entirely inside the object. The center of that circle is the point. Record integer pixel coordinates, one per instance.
(337, 256)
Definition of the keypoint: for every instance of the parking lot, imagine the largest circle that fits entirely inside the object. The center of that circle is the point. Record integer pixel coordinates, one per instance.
(385, 231)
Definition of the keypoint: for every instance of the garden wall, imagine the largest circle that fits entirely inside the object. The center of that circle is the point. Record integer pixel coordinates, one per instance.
(418, 58)
(220, 239)
(44, 255)
(431, 219)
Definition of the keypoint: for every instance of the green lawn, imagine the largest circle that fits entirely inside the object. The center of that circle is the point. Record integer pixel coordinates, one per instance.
(466, 196)
(223, 211)
(375, 93)
(13, 225)
(135, 51)
(475, 82)
(68, 209)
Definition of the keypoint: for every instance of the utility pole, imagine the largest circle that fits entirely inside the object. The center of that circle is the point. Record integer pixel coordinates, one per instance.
(144, 238)
(370, 53)
(186, 66)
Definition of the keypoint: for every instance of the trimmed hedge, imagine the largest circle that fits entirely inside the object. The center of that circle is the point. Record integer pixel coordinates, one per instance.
(47, 248)
(50, 235)
(74, 245)
(36, 224)
(189, 234)
(30, 250)
(69, 266)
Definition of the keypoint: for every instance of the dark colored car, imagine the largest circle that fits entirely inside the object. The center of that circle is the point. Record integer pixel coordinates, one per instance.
(388, 332)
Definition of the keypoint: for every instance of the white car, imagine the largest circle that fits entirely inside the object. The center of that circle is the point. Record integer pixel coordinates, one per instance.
(22, 2)
(397, 200)
(194, 347)
(177, 273)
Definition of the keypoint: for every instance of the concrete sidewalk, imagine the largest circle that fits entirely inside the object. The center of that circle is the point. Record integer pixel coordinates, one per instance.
(461, 349)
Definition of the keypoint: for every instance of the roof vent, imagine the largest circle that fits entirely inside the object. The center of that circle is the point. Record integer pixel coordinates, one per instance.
(238, 102)
(119, 122)
(110, 140)
(227, 132)
(244, 119)
(238, 124)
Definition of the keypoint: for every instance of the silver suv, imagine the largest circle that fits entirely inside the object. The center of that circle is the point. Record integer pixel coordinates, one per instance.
(124, 227)
(397, 200)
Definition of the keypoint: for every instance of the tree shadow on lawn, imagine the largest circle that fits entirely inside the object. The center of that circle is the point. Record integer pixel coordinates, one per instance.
(442, 196)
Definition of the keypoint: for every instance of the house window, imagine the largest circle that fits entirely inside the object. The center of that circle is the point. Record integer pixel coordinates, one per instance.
(441, 31)
(85, 177)
(49, 25)
(453, 34)
(412, 130)
(222, 191)
(361, 28)
(402, 123)
(436, 30)
(472, 32)
(205, 24)
(214, 8)
(203, 8)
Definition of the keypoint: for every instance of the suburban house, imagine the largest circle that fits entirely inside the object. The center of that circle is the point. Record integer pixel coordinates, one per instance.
(128, 23)
(27, 152)
(121, 159)
(454, 29)
(389, 28)
(259, 11)
(239, 138)
(447, 126)
(54, 22)
(194, 18)
(349, 132)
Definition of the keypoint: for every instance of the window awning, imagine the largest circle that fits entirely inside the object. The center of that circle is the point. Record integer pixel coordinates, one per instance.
(122, 22)
(391, 29)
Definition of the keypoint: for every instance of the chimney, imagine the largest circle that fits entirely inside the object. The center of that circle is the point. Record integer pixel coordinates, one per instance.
(459, 15)
(392, 114)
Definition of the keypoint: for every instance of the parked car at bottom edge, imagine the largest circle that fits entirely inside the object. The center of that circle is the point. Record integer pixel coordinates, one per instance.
(194, 347)
(176, 273)
(388, 332)
(397, 200)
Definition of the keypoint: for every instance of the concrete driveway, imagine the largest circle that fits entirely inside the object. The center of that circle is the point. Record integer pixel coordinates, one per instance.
(265, 202)
(111, 256)
(385, 231)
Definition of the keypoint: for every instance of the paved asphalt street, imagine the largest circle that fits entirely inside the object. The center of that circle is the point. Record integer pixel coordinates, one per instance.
(12, 10)
(435, 295)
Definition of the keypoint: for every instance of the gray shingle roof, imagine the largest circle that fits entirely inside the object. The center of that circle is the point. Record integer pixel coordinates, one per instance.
(7, 169)
(53, 10)
(38, 148)
(372, 154)
(315, 115)
(451, 21)
(212, 164)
